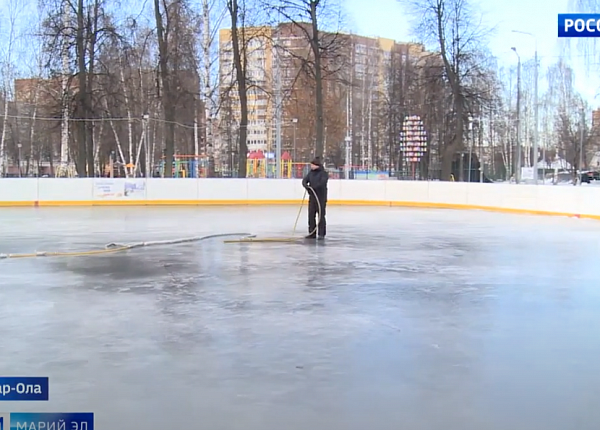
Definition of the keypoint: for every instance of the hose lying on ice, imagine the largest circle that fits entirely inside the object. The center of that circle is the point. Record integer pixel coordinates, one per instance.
(118, 247)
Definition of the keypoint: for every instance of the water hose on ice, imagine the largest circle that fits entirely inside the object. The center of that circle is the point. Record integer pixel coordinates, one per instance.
(118, 247)
(114, 247)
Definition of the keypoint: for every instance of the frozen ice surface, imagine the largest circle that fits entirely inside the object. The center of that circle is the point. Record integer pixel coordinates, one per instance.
(403, 319)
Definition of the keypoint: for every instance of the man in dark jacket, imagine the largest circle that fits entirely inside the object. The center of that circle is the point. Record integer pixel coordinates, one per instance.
(316, 179)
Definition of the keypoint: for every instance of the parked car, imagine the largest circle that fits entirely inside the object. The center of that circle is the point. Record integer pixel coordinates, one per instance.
(587, 177)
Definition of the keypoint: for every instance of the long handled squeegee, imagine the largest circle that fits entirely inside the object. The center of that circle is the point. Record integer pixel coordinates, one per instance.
(263, 240)
(293, 238)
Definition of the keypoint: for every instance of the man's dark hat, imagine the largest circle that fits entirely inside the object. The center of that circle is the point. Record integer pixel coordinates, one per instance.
(316, 161)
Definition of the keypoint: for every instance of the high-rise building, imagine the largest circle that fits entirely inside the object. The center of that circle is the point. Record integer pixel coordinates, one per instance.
(355, 81)
(596, 119)
(256, 45)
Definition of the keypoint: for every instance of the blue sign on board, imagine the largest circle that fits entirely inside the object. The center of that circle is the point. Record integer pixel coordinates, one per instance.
(23, 388)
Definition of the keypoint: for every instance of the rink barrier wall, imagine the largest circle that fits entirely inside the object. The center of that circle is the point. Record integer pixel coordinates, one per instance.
(581, 201)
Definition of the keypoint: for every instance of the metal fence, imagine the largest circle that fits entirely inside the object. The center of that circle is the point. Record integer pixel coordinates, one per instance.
(299, 170)
(203, 168)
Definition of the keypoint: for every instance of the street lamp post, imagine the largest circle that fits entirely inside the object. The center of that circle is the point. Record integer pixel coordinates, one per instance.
(148, 169)
(518, 145)
(480, 126)
(348, 163)
(537, 125)
(278, 110)
(294, 122)
(473, 121)
(232, 162)
(470, 148)
(19, 146)
(111, 164)
(582, 123)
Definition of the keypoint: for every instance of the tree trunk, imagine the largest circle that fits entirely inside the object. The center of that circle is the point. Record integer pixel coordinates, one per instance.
(32, 136)
(81, 95)
(132, 156)
(208, 101)
(117, 140)
(240, 72)
(453, 76)
(65, 99)
(92, 38)
(3, 136)
(316, 48)
(51, 161)
(166, 94)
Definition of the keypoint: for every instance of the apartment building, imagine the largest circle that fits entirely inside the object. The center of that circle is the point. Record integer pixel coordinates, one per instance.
(596, 119)
(356, 70)
(257, 42)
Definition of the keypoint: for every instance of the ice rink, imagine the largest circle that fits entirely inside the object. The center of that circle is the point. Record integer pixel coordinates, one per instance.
(402, 319)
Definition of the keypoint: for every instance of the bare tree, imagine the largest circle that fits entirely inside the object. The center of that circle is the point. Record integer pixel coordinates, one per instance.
(424, 91)
(177, 55)
(110, 83)
(240, 62)
(28, 132)
(162, 34)
(122, 91)
(573, 134)
(588, 46)
(10, 12)
(77, 30)
(494, 126)
(322, 60)
(450, 26)
(213, 13)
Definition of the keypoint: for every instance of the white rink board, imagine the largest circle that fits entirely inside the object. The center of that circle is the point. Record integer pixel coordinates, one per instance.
(552, 200)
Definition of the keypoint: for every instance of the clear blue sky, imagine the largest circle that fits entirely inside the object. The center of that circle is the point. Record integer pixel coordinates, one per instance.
(386, 18)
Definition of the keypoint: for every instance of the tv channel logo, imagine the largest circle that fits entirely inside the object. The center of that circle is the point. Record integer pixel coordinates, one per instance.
(578, 25)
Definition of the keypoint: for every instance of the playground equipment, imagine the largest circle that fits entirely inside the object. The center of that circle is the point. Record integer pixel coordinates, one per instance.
(115, 169)
(259, 166)
(256, 164)
(66, 171)
(186, 166)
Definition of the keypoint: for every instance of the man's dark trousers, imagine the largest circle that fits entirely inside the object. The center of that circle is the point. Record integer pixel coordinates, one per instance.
(313, 212)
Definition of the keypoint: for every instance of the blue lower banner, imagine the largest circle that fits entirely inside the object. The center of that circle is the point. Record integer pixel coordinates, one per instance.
(23, 388)
(47, 421)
